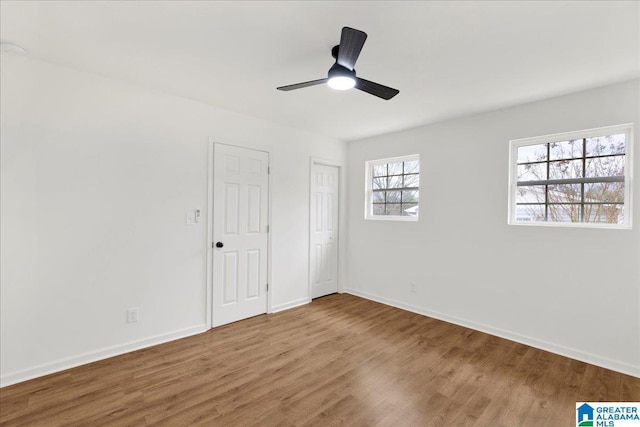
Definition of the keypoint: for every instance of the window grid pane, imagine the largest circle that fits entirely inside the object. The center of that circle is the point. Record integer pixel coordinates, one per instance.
(569, 171)
(395, 188)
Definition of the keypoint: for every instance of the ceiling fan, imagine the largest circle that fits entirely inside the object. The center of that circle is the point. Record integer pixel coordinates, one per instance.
(342, 75)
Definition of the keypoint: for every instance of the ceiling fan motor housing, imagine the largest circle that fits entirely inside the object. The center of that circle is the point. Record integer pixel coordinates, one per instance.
(338, 70)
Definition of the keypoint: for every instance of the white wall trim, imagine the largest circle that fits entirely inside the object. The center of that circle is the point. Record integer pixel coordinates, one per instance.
(290, 304)
(94, 356)
(325, 162)
(603, 362)
(270, 283)
(209, 241)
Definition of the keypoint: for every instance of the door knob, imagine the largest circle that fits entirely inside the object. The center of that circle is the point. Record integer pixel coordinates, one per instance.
(219, 245)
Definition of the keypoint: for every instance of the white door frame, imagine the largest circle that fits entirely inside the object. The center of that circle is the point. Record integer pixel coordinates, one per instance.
(341, 215)
(210, 241)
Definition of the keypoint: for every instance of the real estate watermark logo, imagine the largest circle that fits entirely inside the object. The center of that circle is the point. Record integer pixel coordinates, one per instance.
(608, 414)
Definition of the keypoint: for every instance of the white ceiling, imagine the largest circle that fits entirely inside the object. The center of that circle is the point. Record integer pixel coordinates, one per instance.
(446, 58)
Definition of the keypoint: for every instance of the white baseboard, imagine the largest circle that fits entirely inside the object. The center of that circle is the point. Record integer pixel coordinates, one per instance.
(290, 304)
(93, 356)
(593, 359)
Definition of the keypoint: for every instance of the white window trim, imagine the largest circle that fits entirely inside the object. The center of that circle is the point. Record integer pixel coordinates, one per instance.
(368, 202)
(627, 129)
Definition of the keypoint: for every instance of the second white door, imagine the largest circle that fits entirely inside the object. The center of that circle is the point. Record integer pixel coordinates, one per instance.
(324, 229)
(240, 215)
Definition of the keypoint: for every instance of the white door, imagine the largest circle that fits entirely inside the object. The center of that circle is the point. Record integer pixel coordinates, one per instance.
(240, 217)
(324, 230)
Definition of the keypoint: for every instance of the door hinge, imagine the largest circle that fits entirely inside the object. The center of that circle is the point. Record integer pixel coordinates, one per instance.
(267, 287)
(213, 245)
(267, 228)
(268, 170)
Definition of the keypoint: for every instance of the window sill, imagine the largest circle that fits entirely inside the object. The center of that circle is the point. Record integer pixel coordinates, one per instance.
(392, 218)
(573, 225)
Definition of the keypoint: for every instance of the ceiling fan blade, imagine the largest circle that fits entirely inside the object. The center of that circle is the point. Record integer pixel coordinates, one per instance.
(351, 42)
(301, 85)
(376, 89)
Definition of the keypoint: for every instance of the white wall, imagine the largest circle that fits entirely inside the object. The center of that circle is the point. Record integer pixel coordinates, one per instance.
(573, 291)
(97, 177)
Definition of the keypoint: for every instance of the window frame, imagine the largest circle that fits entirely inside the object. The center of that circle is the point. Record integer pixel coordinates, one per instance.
(514, 144)
(368, 203)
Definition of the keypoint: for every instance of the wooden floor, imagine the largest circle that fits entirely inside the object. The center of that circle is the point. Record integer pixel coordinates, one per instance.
(340, 360)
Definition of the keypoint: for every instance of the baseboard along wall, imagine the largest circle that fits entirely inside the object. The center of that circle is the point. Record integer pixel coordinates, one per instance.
(94, 356)
(614, 365)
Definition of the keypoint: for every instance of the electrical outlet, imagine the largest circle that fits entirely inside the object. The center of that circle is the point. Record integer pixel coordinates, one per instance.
(413, 287)
(191, 218)
(132, 315)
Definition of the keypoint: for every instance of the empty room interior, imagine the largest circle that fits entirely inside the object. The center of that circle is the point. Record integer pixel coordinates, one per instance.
(372, 213)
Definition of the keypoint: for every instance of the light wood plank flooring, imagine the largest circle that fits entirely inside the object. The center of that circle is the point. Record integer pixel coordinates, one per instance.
(340, 360)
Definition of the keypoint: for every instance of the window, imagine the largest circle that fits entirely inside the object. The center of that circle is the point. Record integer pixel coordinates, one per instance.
(572, 179)
(393, 188)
